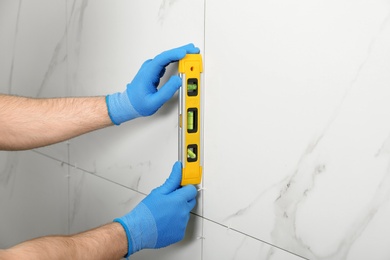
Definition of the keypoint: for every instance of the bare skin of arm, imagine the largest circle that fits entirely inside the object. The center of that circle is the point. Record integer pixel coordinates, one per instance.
(27, 123)
(105, 242)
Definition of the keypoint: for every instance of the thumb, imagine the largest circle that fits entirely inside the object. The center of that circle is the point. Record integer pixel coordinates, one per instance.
(174, 180)
(166, 91)
(187, 193)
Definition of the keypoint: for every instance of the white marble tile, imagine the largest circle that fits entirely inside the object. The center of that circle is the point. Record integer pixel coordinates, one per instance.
(296, 134)
(33, 197)
(223, 243)
(33, 53)
(108, 42)
(95, 201)
(33, 187)
(33, 47)
(297, 123)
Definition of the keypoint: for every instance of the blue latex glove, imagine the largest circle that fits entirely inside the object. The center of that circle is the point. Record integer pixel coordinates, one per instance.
(141, 98)
(161, 218)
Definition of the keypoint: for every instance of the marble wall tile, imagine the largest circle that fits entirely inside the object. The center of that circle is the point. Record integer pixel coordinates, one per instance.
(33, 187)
(33, 53)
(33, 197)
(220, 242)
(108, 42)
(95, 201)
(297, 124)
(33, 48)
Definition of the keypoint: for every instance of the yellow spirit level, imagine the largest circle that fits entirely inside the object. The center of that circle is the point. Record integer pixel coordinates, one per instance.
(191, 119)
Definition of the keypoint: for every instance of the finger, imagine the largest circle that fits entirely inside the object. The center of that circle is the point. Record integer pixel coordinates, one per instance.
(145, 63)
(156, 80)
(174, 180)
(162, 72)
(187, 192)
(166, 92)
(191, 204)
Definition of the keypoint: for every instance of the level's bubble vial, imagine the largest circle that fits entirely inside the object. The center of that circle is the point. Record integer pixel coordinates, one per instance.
(192, 120)
(192, 87)
(192, 153)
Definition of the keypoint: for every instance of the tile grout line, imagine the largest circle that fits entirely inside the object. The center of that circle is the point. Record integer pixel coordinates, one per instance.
(203, 81)
(67, 86)
(89, 172)
(247, 235)
(192, 213)
(68, 178)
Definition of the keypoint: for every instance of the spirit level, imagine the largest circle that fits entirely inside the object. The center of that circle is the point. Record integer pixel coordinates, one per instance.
(191, 119)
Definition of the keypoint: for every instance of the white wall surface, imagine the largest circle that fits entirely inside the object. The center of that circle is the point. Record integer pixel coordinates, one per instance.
(297, 125)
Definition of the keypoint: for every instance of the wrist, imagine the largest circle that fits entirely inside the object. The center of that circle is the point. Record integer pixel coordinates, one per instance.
(120, 108)
(129, 247)
(140, 228)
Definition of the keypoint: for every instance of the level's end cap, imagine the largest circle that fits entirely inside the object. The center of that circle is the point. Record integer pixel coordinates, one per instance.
(192, 177)
(193, 61)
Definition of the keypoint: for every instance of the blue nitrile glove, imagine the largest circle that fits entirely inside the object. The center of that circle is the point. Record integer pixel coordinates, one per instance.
(141, 98)
(161, 218)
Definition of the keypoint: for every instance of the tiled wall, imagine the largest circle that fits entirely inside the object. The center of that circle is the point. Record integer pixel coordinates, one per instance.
(297, 123)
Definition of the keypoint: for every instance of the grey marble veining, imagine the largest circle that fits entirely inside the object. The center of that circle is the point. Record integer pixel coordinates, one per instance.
(9, 162)
(10, 78)
(34, 201)
(58, 57)
(164, 8)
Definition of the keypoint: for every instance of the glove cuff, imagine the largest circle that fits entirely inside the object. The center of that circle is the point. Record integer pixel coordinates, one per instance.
(120, 108)
(120, 221)
(140, 227)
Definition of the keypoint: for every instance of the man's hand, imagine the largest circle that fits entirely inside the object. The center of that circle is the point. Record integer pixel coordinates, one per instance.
(161, 218)
(142, 98)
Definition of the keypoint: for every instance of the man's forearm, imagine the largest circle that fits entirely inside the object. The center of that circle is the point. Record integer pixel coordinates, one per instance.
(27, 123)
(106, 242)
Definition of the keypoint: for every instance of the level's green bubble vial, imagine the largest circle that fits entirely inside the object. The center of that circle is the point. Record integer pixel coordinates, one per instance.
(192, 87)
(191, 154)
(190, 120)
